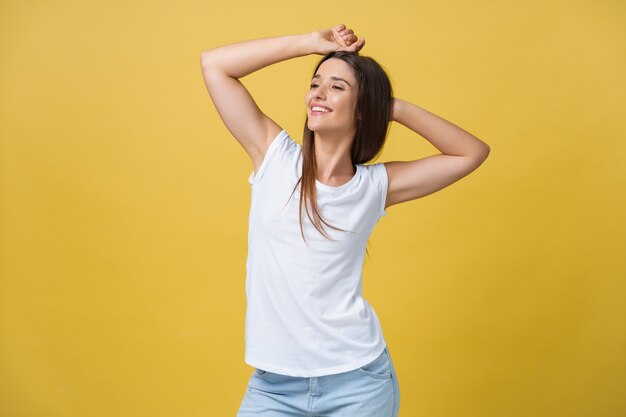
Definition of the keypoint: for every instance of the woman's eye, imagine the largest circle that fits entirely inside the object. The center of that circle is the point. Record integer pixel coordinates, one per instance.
(334, 86)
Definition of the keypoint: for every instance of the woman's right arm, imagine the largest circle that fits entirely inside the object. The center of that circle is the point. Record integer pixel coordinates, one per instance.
(223, 65)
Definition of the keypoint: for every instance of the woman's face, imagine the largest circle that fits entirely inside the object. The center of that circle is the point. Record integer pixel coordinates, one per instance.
(335, 88)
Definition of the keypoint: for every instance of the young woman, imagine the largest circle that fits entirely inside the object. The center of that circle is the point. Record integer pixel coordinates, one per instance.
(316, 345)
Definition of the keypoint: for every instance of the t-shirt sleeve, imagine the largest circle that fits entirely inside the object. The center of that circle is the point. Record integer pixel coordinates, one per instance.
(269, 155)
(379, 175)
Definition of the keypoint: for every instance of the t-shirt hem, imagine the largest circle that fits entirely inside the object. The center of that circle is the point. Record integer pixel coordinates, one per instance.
(313, 372)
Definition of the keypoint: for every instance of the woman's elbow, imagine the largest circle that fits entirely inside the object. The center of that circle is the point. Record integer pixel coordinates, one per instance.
(484, 153)
(205, 58)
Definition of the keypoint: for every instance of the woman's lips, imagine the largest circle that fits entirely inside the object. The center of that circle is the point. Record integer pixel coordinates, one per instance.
(319, 112)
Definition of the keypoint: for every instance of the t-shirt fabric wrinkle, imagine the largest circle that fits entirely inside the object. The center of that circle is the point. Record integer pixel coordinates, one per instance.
(305, 313)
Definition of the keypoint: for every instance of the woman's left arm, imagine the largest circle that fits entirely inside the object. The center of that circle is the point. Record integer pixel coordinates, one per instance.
(461, 153)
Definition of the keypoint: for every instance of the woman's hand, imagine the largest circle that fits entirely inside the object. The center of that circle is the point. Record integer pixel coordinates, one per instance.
(337, 38)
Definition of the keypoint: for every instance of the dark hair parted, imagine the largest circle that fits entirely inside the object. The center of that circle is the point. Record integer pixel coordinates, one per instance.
(373, 112)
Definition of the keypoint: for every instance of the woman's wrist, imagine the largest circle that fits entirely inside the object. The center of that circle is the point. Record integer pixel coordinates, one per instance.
(396, 108)
(297, 45)
(310, 44)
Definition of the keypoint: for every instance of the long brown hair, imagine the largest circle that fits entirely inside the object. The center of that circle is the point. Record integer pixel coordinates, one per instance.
(373, 113)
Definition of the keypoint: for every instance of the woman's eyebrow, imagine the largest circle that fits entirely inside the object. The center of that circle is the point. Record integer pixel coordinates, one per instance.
(333, 78)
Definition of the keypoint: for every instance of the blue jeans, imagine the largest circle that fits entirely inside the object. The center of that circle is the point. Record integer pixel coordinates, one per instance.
(369, 391)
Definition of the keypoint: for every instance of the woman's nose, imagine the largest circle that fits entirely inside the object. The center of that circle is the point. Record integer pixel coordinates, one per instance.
(320, 93)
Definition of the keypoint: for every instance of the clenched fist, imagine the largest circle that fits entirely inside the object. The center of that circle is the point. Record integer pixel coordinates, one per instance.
(337, 38)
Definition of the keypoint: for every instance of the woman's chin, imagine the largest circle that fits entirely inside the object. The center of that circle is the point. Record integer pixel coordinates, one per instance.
(314, 127)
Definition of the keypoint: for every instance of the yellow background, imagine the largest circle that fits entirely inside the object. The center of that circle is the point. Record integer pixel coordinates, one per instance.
(124, 206)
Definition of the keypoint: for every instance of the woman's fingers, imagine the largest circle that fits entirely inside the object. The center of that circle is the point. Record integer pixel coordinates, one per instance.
(358, 45)
(338, 36)
(345, 37)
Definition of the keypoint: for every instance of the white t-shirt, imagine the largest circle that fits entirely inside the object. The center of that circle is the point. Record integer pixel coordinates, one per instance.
(305, 313)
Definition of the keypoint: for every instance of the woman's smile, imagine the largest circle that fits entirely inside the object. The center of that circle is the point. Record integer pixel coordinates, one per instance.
(317, 110)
